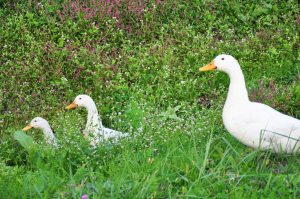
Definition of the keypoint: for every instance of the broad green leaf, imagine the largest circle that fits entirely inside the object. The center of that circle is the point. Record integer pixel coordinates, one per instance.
(174, 116)
(39, 186)
(243, 17)
(267, 23)
(25, 140)
(268, 5)
(273, 50)
(164, 113)
(177, 107)
(298, 89)
(297, 94)
(36, 159)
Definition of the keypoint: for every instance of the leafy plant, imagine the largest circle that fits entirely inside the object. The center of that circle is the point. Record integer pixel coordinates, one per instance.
(138, 64)
(170, 113)
(25, 140)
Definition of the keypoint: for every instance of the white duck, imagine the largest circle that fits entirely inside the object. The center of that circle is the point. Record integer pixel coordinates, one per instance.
(94, 125)
(254, 124)
(41, 123)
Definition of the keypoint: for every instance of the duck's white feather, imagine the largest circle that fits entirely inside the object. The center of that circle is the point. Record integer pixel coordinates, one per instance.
(94, 125)
(254, 124)
(41, 123)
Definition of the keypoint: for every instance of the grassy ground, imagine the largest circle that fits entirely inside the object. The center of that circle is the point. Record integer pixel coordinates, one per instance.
(139, 61)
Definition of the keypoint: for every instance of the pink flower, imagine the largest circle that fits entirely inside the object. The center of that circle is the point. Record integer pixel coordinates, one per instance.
(84, 196)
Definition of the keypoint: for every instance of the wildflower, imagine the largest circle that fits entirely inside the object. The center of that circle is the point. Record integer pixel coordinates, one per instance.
(84, 196)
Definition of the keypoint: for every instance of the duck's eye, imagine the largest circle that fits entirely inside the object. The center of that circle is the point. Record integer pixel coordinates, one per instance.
(222, 58)
(34, 120)
(80, 98)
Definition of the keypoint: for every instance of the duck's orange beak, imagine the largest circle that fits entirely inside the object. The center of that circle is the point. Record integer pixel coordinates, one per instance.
(210, 66)
(27, 127)
(73, 105)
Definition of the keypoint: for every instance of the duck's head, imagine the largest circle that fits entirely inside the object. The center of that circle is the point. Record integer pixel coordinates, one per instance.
(38, 123)
(82, 101)
(223, 63)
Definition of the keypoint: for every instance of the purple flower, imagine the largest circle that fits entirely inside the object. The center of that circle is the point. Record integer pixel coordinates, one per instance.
(84, 196)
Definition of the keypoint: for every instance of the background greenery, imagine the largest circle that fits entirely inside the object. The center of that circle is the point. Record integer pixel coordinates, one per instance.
(139, 61)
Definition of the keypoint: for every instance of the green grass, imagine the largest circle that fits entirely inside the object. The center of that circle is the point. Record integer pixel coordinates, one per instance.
(140, 63)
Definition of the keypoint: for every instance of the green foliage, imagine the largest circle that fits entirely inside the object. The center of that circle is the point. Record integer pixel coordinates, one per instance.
(25, 140)
(170, 113)
(141, 68)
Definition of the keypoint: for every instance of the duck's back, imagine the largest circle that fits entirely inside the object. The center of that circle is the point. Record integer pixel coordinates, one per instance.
(254, 124)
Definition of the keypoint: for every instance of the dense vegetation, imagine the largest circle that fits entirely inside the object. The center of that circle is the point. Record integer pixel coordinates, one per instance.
(139, 61)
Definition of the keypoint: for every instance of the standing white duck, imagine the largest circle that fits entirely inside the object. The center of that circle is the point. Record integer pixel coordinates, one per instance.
(254, 124)
(94, 125)
(41, 123)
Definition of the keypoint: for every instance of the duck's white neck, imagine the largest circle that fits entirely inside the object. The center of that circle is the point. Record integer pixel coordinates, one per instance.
(48, 134)
(93, 120)
(237, 92)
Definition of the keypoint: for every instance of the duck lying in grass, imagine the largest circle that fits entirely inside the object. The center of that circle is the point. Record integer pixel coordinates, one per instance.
(94, 125)
(254, 124)
(40, 123)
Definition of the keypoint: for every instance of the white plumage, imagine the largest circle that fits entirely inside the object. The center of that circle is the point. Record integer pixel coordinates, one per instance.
(254, 124)
(94, 125)
(41, 123)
